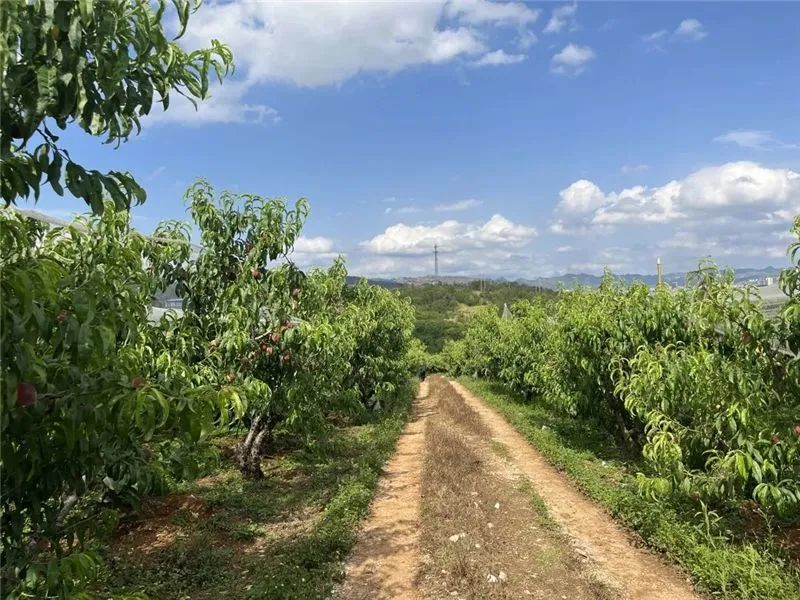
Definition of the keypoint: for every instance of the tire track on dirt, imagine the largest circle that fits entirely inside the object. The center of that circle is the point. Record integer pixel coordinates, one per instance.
(635, 572)
(384, 563)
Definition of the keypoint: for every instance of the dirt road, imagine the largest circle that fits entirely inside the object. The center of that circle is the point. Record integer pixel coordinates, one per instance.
(385, 561)
(467, 508)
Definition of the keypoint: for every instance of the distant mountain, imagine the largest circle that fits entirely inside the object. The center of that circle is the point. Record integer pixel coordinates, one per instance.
(387, 283)
(571, 280)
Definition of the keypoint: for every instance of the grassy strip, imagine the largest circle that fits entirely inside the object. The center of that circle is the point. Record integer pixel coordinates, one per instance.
(740, 569)
(282, 537)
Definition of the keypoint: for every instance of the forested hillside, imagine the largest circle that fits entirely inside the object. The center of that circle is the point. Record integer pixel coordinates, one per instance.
(443, 310)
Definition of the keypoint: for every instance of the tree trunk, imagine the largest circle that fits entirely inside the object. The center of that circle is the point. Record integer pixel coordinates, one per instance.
(249, 451)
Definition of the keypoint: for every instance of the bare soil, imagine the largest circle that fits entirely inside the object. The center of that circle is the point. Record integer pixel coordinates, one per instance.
(484, 534)
(469, 509)
(616, 555)
(385, 560)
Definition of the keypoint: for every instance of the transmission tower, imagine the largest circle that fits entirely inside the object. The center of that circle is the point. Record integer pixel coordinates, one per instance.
(659, 272)
(436, 260)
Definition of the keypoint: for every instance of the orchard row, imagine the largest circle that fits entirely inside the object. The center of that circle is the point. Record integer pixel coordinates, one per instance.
(102, 405)
(697, 379)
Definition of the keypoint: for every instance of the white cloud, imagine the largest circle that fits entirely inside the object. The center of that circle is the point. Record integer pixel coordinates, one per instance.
(640, 205)
(690, 29)
(742, 185)
(754, 139)
(458, 206)
(656, 35)
(562, 17)
(314, 251)
(311, 44)
(686, 246)
(572, 59)
(526, 39)
(581, 197)
(313, 245)
(402, 210)
(450, 236)
(744, 193)
(226, 104)
(738, 213)
(628, 169)
(410, 209)
(477, 12)
(498, 57)
(492, 262)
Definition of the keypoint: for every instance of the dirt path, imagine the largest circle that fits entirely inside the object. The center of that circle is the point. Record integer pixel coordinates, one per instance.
(385, 561)
(485, 534)
(632, 571)
(405, 552)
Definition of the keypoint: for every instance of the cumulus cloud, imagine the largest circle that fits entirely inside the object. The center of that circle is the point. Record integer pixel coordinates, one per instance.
(496, 247)
(737, 212)
(581, 197)
(498, 57)
(326, 43)
(737, 190)
(313, 245)
(314, 251)
(572, 60)
(477, 12)
(313, 44)
(562, 18)
(450, 236)
(690, 29)
(495, 262)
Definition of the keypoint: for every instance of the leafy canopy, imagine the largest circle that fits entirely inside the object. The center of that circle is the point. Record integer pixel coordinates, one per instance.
(100, 66)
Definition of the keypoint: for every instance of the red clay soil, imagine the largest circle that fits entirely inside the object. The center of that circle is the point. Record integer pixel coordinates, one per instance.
(154, 528)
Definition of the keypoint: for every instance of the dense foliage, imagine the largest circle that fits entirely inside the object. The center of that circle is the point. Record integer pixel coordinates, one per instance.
(99, 66)
(104, 403)
(697, 378)
(89, 414)
(443, 309)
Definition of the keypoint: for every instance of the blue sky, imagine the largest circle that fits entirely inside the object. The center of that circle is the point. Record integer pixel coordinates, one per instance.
(524, 139)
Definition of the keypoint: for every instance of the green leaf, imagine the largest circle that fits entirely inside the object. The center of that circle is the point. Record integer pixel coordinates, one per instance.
(45, 84)
(87, 10)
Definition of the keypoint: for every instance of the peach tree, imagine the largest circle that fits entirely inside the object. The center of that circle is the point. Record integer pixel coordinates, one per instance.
(722, 411)
(243, 320)
(94, 66)
(89, 416)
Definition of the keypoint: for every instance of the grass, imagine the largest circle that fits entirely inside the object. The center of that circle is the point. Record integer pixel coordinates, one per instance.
(281, 537)
(724, 560)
